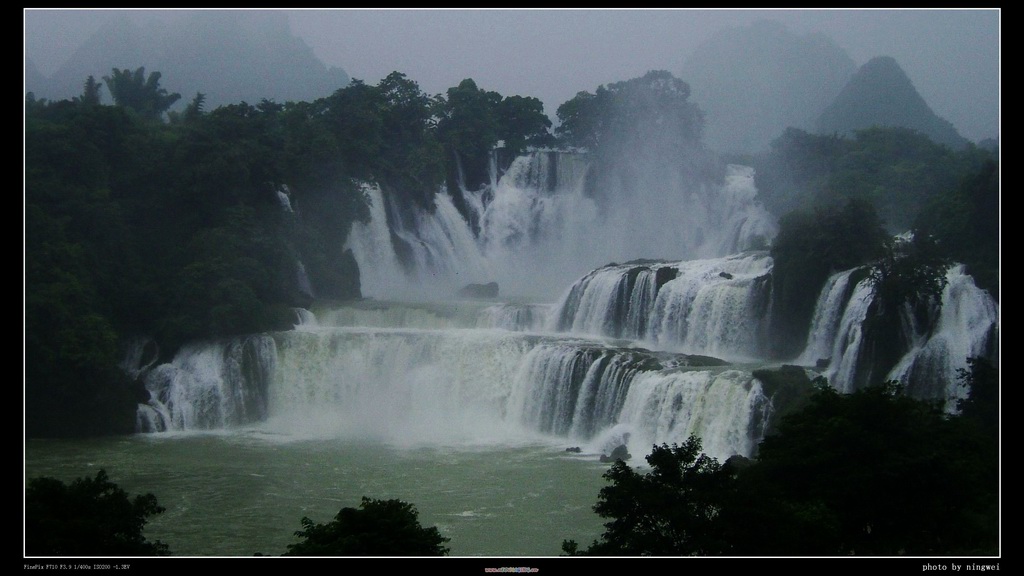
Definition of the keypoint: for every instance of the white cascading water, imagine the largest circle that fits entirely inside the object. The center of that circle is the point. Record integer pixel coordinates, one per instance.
(430, 373)
(725, 409)
(580, 370)
(968, 320)
(964, 327)
(284, 196)
(535, 229)
(210, 386)
(380, 271)
(404, 386)
(419, 315)
(828, 313)
(448, 386)
(515, 317)
(539, 231)
(715, 306)
(848, 339)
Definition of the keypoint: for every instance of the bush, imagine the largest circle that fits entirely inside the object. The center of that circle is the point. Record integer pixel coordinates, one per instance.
(376, 528)
(670, 511)
(89, 517)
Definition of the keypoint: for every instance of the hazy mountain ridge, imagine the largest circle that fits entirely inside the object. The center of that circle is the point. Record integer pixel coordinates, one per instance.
(229, 56)
(881, 94)
(756, 81)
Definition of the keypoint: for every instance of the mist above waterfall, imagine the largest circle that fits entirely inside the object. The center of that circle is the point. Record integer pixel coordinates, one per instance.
(634, 182)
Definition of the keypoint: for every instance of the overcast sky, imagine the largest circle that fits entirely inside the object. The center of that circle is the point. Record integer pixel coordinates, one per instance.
(952, 56)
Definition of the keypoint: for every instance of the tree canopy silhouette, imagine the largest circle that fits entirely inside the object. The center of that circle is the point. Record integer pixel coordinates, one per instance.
(376, 528)
(141, 93)
(89, 517)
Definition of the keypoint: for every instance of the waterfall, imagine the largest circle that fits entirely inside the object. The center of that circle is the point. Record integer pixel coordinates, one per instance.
(828, 313)
(210, 385)
(848, 340)
(440, 386)
(305, 319)
(540, 228)
(515, 317)
(285, 199)
(624, 350)
(379, 268)
(583, 352)
(721, 408)
(713, 306)
(443, 253)
(961, 325)
(966, 327)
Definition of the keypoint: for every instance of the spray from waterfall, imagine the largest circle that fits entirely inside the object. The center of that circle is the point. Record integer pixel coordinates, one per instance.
(540, 228)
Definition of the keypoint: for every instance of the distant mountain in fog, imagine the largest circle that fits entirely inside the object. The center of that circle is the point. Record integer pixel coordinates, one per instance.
(33, 77)
(230, 56)
(754, 82)
(881, 94)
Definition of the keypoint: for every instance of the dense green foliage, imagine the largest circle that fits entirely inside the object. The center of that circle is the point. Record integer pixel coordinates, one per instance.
(622, 114)
(670, 511)
(89, 517)
(789, 389)
(964, 221)
(870, 473)
(173, 231)
(873, 473)
(908, 273)
(981, 404)
(809, 247)
(376, 528)
(178, 231)
(136, 91)
(887, 180)
(472, 121)
(641, 132)
(897, 170)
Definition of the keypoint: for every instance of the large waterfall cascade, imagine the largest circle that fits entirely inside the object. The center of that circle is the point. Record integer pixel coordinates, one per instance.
(539, 230)
(457, 373)
(661, 349)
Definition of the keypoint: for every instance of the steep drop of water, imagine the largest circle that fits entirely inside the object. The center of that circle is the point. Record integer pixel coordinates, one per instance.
(539, 229)
(961, 325)
(446, 386)
(715, 306)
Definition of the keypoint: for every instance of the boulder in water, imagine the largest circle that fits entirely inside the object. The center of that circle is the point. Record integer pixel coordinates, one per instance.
(619, 453)
(489, 290)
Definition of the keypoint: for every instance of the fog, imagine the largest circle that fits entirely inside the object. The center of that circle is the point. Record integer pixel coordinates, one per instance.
(952, 56)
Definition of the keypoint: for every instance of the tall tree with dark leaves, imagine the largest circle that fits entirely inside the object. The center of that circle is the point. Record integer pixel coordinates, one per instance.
(141, 93)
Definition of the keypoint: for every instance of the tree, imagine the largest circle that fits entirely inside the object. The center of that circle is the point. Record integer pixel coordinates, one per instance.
(670, 511)
(965, 221)
(468, 127)
(522, 122)
(626, 114)
(810, 246)
(133, 89)
(91, 92)
(871, 473)
(376, 528)
(981, 406)
(195, 108)
(644, 138)
(908, 273)
(89, 517)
